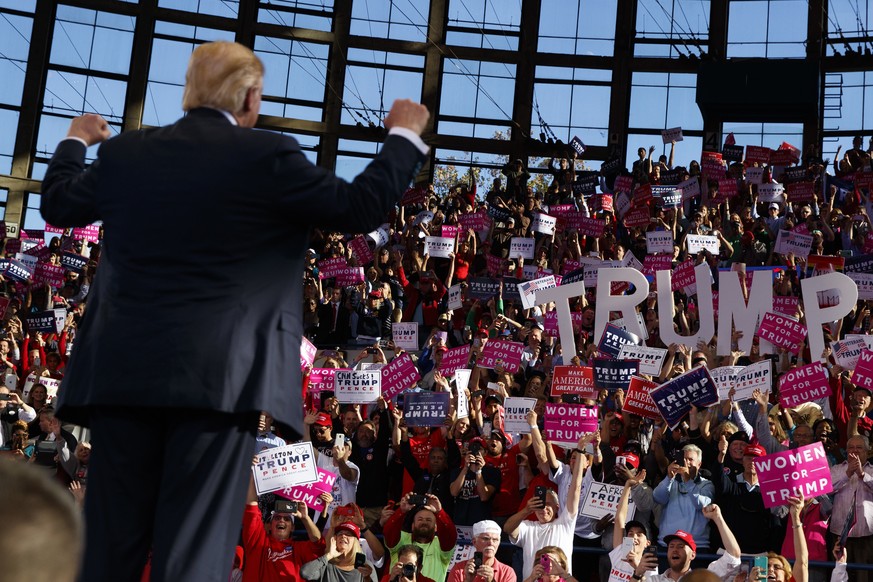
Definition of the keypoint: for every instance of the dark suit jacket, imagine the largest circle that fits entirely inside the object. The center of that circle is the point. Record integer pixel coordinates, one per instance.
(328, 337)
(197, 301)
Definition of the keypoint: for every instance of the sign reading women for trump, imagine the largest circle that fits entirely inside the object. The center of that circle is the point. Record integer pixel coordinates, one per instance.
(566, 423)
(307, 353)
(426, 408)
(357, 386)
(311, 492)
(283, 467)
(321, 379)
(501, 353)
(455, 359)
(802, 472)
(398, 376)
(803, 384)
(783, 331)
(674, 398)
(574, 380)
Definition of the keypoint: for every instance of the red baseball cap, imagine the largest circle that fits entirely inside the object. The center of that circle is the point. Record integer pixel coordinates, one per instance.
(632, 460)
(323, 419)
(754, 451)
(349, 527)
(684, 536)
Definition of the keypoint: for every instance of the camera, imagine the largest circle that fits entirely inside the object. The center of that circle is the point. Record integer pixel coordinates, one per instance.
(408, 571)
(475, 448)
(540, 493)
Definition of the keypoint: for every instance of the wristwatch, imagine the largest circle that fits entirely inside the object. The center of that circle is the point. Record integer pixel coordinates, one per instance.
(636, 576)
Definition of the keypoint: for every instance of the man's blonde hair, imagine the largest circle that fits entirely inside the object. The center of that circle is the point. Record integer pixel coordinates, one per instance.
(219, 75)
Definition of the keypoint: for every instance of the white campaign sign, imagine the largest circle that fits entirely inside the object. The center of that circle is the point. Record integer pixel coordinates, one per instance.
(282, 467)
(602, 499)
(528, 290)
(793, 242)
(543, 223)
(455, 301)
(659, 241)
(405, 335)
(671, 135)
(651, 359)
(439, 247)
(699, 242)
(357, 386)
(516, 410)
(520, 246)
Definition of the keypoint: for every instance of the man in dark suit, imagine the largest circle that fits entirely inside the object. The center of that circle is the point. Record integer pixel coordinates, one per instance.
(193, 323)
(333, 321)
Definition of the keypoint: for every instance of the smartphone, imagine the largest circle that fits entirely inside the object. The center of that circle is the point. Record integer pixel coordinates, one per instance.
(653, 550)
(360, 559)
(340, 441)
(622, 460)
(546, 563)
(477, 559)
(4, 396)
(570, 398)
(540, 493)
(372, 350)
(417, 499)
(762, 563)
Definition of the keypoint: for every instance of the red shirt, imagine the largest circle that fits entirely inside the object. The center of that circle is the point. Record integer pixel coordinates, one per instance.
(268, 559)
(506, 500)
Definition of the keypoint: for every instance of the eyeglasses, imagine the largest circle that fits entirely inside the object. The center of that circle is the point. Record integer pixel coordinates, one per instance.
(282, 517)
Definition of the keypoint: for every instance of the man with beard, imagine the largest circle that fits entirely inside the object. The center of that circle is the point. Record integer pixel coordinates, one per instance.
(435, 478)
(684, 493)
(428, 527)
(681, 550)
(486, 539)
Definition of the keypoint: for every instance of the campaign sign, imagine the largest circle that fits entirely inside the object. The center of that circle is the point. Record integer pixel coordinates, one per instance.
(53, 275)
(74, 262)
(864, 282)
(785, 305)
(501, 353)
(414, 195)
(725, 377)
(482, 288)
(543, 223)
(612, 374)
(307, 352)
(282, 467)
(322, 379)
(422, 217)
(732, 153)
(638, 216)
(655, 263)
(862, 377)
(650, 359)
(684, 276)
(90, 233)
(659, 241)
(527, 290)
(515, 414)
(499, 214)
(550, 322)
(859, 264)
(18, 271)
(309, 493)
(619, 322)
(566, 423)
(623, 184)
(757, 154)
(577, 145)
(51, 321)
(801, 191)
(405, 335)
(590, 226)
(348, 276)
(690, 188)
(754, 175)
(771, 192)
(450, 231)
(700, 242)
(51, 386)
(477, 221)
(521, 247)
(671, 198)
(455, 300)
(753, 377)
(586, 183)
(638, 399)
(847, 351)
(439, 247)
(613, 338)
(426, 408)
(601, 202)
(28, 261)
(401, 374)
(671, 135)
(783, 331)
(330, 268)
(510, 289)
(793, 175)
(675, 397)
(602, 500)
(803, 472)
(462, 381)
(49, 229)
(357, 386)
(496, 266)
(574, 380)
(455, 359)
(804, 384)
(361, 250)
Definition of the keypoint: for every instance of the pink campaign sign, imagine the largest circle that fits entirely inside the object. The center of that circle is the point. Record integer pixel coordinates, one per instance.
(508, 354)
(398, 376)
(361, 250)
(309, 493)
(328, 268)
(803, 471)
(455, 359)
(53, 275)
(783, 331)
(90, 233)
(862, 377)
(803, 384)
(785, 305)
(566, 423)
(321, 379)
(307, 353)
(350, 276)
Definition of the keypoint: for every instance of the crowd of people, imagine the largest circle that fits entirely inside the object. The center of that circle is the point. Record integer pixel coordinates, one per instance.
(430, 503)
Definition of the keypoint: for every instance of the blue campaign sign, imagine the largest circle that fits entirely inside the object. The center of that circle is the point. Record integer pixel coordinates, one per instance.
(613, 338)
(674, 398)
(577, 145)
(74, 262)
(426, 408)
(483, 288)
(612, 374)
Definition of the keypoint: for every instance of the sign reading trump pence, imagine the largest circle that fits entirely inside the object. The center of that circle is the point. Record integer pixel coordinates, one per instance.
(283, 467)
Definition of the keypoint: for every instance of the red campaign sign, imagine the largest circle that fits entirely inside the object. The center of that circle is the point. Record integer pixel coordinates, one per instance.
(795, 151)
(785, 305)
(455, 359)
(329, 268)
(683, 276)
(862, 377)
(783, 331)
(602, 202)
(53, 275)
(782, 158)
(801, 191)
(757, 154)
(638, 399)
(401, 374)
(655, 263)
(574, 380)
(550, 322)
(412, 196)
(361, 250)
(566, 423)
(501, 353)
(803, 384)
(639, 216)
(712, 165)
(643, 194)
(591, 226)
(864, 180)
(623, 184)
(321, 379)
(495, 265)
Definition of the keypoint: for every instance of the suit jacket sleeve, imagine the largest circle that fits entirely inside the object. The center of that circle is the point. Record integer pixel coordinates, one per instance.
(68, 190)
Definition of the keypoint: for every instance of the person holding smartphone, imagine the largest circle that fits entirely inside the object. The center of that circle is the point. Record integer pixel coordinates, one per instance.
(483, 566)
(343, 561)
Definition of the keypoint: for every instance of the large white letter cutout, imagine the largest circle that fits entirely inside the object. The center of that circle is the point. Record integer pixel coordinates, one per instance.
(702, 275)
(816, 316)
(732, 308)
(626, 304)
